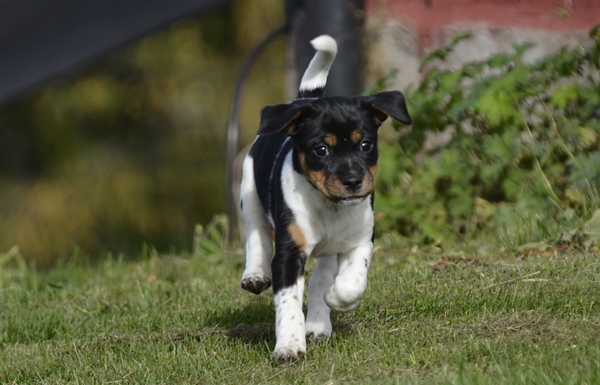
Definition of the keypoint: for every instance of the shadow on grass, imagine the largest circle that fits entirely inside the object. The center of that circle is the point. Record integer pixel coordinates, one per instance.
(253, 324)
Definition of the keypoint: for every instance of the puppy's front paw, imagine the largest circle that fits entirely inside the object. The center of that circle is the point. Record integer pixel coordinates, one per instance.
(341, 303)
(288, 354)
(256, 284)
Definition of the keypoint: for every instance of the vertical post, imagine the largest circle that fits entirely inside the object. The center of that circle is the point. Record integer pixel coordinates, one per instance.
(343, 20)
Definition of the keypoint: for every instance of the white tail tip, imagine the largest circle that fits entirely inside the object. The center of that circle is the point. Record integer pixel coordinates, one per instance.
(314, 79)
(325, 44)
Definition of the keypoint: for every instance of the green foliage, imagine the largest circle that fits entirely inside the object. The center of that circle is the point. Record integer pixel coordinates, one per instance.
(211, 240)
(521, 141)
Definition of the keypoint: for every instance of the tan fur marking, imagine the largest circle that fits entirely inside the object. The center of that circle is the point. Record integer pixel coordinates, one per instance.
(289, 126)
(378, 113)
(297, 236)
(356, 136)
(330, 140)
(373, 171)
(317, 178)
(337, 187)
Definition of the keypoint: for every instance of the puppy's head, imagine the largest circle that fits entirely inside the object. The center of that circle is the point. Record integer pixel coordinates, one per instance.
(336, 140)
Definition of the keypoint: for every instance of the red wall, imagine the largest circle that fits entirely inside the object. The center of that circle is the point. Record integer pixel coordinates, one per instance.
(427, 16)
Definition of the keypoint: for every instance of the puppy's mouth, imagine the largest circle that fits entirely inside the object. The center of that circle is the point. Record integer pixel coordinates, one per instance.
(349, 201)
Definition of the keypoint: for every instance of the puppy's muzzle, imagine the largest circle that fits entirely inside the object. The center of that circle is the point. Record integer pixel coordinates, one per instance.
(349, 189)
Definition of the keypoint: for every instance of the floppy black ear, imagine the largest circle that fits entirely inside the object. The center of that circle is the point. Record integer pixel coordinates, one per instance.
(279, 118)
(386, 103)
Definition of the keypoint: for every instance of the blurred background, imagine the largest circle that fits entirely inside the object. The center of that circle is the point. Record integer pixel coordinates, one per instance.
(129, 149)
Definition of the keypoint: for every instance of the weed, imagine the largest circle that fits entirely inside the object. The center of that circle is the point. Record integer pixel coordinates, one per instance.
(521, 158)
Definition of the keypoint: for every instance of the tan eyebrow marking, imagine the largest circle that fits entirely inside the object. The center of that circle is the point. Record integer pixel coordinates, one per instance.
(356, 136)
(330, 140)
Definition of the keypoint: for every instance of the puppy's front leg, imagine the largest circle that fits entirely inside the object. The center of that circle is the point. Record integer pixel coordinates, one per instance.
(259, 249)
(351, 281)
(288, 293)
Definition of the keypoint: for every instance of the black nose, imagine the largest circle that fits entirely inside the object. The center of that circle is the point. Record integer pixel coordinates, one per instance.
(352, 182)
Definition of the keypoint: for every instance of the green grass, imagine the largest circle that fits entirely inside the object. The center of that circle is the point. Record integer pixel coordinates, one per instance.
(424, 320)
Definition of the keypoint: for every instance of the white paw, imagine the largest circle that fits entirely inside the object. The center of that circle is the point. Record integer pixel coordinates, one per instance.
(255, 283)
(318, 330)
(289, 353)
(347, 302)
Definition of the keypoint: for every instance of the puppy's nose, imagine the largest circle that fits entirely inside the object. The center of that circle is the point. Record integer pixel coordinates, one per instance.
(352, 182)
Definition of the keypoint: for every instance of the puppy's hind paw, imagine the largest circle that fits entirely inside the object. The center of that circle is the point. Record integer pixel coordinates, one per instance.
(318, 331)
(318, 337)
(256, 284)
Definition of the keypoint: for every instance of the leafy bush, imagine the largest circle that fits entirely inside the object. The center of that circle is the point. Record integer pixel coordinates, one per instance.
(521, 146)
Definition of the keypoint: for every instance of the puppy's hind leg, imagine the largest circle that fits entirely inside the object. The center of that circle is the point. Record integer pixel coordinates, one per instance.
(318, 323)
(259, 247)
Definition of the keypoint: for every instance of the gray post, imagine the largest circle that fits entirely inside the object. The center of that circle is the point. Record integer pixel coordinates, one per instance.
(343, 20)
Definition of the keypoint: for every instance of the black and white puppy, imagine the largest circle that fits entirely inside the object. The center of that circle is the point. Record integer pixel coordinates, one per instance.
(310, 177)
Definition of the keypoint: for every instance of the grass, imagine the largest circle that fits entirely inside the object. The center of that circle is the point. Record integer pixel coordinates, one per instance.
(426, 319)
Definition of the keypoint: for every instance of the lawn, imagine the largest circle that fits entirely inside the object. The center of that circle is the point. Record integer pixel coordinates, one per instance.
(428, 317)
(522, 168)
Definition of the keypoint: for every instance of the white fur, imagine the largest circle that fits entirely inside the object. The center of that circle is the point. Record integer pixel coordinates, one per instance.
(341, 235)
(338, 233)
(289, 322)
(329, 228)
(332, 230)
(259, 247)
(318, 68)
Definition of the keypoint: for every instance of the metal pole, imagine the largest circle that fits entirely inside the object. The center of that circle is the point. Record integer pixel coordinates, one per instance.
(343, 20)
(234, 129)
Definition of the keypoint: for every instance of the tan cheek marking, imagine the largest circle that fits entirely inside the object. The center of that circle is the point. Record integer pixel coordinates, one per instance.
(330, 140)
(356, 136)
(373, 171)
(318, 178)
(297, 236)
(315, 177)
(337, 187)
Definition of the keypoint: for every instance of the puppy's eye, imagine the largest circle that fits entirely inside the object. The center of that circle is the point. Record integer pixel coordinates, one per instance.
(321, 151)
(366, 146)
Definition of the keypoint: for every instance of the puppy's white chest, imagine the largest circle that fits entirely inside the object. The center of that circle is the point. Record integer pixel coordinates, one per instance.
(328, 228)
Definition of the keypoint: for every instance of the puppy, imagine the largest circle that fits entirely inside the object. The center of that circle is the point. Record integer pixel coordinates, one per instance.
(310, 177)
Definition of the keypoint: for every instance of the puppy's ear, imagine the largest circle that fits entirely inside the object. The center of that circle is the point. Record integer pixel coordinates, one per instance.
(386, 103)
(280, 118)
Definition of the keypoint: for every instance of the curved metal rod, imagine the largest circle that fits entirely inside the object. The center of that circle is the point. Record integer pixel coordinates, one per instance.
(233, 127)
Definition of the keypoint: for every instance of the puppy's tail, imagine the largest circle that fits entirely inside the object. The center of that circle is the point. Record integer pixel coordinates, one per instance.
(314, 79)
